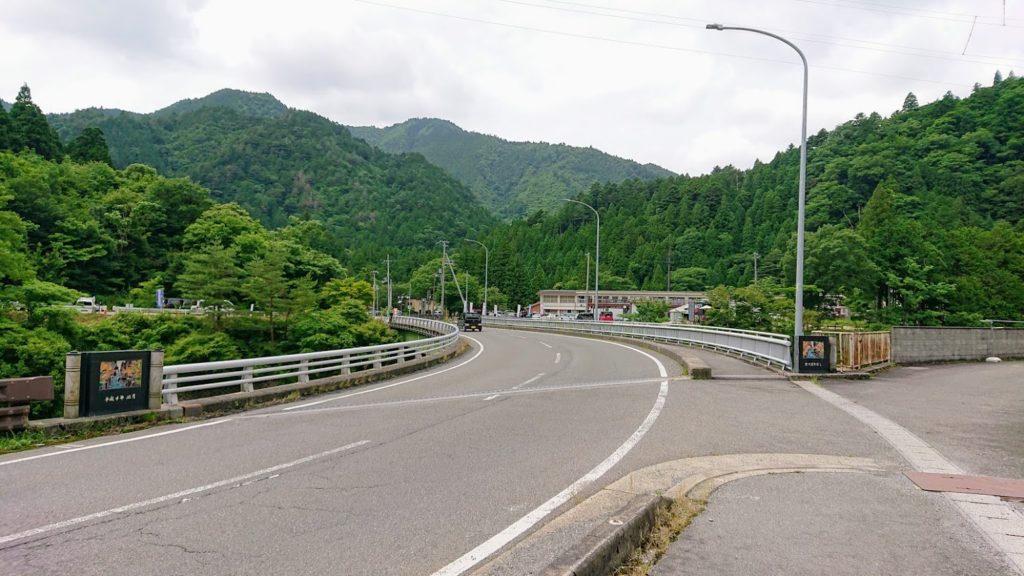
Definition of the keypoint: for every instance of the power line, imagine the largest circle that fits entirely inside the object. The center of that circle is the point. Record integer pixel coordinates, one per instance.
(937, 12)
(959, 19)
(648, 44)
(806, 37)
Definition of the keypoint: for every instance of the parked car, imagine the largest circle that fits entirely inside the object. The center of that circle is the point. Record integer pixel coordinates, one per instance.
(589, 316)
(606, 317)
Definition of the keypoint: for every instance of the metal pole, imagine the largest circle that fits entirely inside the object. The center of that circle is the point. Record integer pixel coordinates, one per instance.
(389, 284)
(444, 259)
(597, 259)
(586, 287)
(487, 258)
(375, 293)
(798, 322)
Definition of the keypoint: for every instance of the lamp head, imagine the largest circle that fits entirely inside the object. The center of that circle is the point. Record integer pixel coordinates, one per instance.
(715, 27)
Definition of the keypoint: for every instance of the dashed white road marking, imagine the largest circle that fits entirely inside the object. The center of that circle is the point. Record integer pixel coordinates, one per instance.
(183, 494)
(399, 383)
(558, 357)
(114, 442)
(491, 397)
(545, 344)
(530, 381)
(1000, 523)
(499, 540)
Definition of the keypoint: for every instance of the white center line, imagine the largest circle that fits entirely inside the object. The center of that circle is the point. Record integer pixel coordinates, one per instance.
(175, 496)
(115, 442)
(499, 540)
(399, 383)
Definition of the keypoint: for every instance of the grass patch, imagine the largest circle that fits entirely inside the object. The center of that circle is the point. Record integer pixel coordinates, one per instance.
(669, 523)
(31, 438)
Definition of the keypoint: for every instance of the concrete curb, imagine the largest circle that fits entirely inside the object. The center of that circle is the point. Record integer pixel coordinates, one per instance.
(621, 515)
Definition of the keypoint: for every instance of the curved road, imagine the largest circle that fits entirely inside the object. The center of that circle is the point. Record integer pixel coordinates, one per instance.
(420, 475)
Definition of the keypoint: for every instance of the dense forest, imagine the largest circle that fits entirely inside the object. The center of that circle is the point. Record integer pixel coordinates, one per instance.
(71, 224)
(915, 218)
(283, 165)
(511, 178)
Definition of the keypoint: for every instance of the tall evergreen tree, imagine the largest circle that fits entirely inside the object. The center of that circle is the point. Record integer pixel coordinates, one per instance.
(30, 130)
(5, 128)
(90, 146)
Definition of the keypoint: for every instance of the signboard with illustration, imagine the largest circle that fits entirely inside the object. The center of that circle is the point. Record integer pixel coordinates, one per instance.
(114, 382)
(814, 355)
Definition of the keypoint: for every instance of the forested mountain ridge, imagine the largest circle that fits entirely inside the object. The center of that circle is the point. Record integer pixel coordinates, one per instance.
(281, 163)
(916, 218)
(511, 178)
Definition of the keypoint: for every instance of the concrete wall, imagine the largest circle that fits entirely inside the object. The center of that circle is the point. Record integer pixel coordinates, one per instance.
(921, 344)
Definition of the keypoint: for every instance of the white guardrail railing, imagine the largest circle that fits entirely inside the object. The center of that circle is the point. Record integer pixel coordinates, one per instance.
(774, 349)
(243, 374)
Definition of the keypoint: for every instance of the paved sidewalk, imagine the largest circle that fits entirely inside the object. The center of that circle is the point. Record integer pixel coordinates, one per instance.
(967, 417)
(829, 523)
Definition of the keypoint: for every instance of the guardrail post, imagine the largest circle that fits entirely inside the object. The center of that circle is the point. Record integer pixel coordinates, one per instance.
(376, 359)
(169, 392)
(401, 354)
(156, 379)
(344, 365)
(72, 383)
(247, 379)
(303, 367)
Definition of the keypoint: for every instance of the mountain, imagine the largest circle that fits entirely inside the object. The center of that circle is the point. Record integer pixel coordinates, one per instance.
(915, 218)
(280, 164)
(511, 178)
(259, 104)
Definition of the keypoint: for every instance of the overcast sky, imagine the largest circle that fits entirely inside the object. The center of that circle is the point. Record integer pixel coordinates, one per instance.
(641, 79)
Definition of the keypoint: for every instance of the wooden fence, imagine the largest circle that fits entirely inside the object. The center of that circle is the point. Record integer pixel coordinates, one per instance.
(856, 350)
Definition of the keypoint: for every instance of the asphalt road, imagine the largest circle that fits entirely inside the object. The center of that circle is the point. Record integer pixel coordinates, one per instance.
(435, 472)
(403, 477)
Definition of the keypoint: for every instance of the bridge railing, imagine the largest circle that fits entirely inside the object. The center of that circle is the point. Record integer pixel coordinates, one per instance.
(773, 349)
(244, 375)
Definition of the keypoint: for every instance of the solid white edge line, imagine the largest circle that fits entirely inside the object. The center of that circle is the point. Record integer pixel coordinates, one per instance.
(530, 381)
(406, 381)
(181, 494)
(115, 442)
(499, 540)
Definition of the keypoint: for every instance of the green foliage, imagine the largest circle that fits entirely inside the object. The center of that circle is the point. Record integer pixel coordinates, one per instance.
(510, 178)
(201, 347)
(340, 290)
(90, 146)
(36, 293)
(29, 129)
(651, 311)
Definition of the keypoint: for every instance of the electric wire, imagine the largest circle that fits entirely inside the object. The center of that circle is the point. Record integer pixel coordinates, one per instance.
(649, 44)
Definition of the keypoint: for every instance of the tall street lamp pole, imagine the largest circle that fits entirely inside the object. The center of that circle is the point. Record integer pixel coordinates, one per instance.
(597, 258)
(798, 328)
(487, 258)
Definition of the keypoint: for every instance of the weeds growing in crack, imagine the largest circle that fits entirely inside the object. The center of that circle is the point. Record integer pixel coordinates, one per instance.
(669, 523)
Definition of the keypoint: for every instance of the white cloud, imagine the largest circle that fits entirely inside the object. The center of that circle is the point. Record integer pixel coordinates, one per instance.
(658, 87)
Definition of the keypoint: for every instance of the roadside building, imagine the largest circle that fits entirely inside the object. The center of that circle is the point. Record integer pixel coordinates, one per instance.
(618, 302)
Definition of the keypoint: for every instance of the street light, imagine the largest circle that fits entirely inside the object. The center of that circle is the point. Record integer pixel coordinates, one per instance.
(486, 265)
(597, 258)
(798, 328)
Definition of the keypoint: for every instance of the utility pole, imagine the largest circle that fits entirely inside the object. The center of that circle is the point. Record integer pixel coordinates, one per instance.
(389, 283)
(756, 256)
(444, 259)
(375, 293)
(586, 287)
(668, 274)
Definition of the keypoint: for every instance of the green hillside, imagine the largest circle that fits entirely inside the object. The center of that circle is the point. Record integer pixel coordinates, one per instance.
(282, 164)
(916, 218)
(511, 178)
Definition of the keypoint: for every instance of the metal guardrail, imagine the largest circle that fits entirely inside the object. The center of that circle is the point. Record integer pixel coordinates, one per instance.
(774, 349)
(243, 374)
